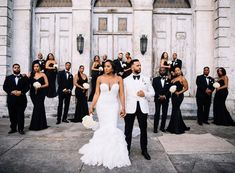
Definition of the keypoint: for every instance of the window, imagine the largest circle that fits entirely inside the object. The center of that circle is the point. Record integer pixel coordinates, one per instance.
(102, 24)
(113, 3)
(171, 4)
(122, 24)
(54, 3)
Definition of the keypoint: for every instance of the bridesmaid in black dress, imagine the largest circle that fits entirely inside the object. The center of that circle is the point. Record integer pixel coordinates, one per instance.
(81, 95)
(37, 95)
(51, 72)
(176, 124)
(95, 72)
(164, 62)
(221, 114)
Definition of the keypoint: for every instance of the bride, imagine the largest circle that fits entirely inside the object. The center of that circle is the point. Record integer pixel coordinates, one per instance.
(108, 146)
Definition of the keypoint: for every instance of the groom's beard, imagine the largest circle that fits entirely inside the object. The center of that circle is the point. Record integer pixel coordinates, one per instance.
(137, 71)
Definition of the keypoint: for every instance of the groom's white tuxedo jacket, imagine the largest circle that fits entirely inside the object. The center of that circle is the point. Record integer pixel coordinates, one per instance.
(131, 87)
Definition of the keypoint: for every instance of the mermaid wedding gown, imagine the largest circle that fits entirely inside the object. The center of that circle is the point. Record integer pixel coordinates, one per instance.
(107, 146)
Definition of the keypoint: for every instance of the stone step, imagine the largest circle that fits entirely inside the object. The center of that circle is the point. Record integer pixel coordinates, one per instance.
(188, 107)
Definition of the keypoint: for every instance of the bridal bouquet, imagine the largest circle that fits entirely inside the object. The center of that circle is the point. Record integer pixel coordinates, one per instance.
(216, 85)
(89, 123)
(36, 85)
(86, 86)
(169, 62)
(101, 69)
(172, 88)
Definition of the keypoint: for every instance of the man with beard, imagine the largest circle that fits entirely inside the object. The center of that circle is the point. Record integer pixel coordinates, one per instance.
(16, 86)
(40, 61)
(203, 95)
(137, 89)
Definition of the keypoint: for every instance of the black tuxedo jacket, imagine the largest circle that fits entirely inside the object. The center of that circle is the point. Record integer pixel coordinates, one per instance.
(10, 85)
(202, 86)
(118, 66)
(178, 63)
(63, 82)
(159, 90)
(42, 65)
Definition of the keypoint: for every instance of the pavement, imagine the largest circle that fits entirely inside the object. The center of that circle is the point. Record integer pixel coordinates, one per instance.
(207, 148)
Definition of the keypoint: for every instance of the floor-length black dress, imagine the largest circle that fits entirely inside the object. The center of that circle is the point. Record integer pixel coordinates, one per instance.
(221, 114)
(94, 75)
(38, 120)
(176, 124)
(51, 75)
(82, 105)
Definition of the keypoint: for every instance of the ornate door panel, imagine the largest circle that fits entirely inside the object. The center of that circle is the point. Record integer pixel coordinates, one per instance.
(53, 34)
(173, 33)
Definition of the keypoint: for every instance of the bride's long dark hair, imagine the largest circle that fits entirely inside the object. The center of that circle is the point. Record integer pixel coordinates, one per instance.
(112, 65)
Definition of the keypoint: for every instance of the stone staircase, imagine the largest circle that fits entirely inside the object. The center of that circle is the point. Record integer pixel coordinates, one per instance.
(188, 107)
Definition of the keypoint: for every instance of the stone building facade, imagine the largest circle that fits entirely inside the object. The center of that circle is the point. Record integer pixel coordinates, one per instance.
(202, 32)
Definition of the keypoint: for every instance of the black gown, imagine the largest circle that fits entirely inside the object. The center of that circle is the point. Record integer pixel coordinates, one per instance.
(82, 105)
(38, 120)
(176, 124)
(94, 75)
(51, 75)
(221, 114)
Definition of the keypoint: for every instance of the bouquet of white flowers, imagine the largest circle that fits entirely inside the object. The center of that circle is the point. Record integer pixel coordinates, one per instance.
(172, 88)
(216, 85)
(36, 85)
(123, 65)
(88, 122)
(55, 65)
(169, 62)
(86, 85)
(101, 69)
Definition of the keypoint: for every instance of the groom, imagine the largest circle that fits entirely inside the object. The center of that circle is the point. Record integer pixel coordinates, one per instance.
(137, 90)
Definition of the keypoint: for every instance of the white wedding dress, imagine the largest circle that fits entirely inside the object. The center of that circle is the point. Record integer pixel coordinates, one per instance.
(107, 147)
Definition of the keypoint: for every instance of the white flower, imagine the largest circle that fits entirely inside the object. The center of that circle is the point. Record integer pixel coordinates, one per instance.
(169, 62)
(123, 65)
(172, 88)
(36, 85)
(216, 85)
(86, 85)
(101, 69)
(88, 122)
(55, 65)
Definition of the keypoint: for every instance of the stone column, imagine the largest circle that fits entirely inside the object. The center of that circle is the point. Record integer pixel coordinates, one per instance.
(6, 7)
(204, 41)
(142, 17)
(21, 45)
(81, 25)
(224, 21)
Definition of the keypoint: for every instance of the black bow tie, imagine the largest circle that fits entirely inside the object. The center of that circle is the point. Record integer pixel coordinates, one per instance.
(67, 72)
(17, 76)
(163, 77)
(136, 77)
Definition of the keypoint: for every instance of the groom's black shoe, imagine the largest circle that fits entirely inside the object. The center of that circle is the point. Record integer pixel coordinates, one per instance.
(65, 121)
(146, 155)
(58, 122)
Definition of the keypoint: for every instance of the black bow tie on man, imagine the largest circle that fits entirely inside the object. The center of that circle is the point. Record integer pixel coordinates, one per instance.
(136, 77)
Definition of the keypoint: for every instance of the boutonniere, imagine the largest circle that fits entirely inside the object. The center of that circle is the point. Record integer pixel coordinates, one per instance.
(167, 83)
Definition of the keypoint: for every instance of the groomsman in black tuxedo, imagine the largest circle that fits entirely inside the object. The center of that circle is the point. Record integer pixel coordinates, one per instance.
(161, 85)
(203, 96)
(39, 61)
(65, 86)
(175, 63)
(16, 86)
(119, 64)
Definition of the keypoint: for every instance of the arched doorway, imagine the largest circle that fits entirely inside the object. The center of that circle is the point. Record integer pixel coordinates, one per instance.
(52, 29)
(173, 32)
(112, 27)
